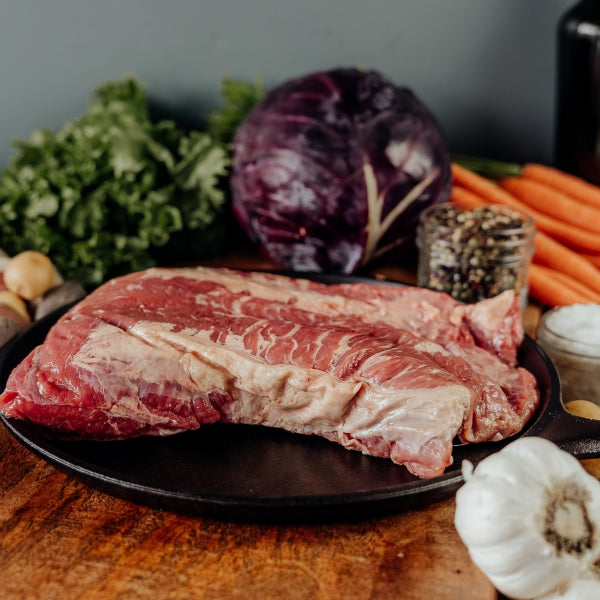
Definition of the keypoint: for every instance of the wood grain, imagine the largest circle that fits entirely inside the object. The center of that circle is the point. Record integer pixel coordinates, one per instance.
(61, 539)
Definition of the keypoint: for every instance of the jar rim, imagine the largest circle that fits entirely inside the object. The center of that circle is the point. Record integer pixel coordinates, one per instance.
(487, 263)
(527, 220)
(524, 242)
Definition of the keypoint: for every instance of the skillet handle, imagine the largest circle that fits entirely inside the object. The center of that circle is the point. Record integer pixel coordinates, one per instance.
(576, 435)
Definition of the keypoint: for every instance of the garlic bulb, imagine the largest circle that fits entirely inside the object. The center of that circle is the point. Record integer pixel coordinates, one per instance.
(578, 589)
(530, 518)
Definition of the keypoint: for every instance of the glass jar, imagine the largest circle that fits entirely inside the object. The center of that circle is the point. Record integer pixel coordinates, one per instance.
(570, 336)
(474, 254)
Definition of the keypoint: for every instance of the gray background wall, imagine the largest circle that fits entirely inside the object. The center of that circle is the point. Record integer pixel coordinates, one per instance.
(485, 67)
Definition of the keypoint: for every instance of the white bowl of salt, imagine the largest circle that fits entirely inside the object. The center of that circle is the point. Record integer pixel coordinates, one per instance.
(570, 336)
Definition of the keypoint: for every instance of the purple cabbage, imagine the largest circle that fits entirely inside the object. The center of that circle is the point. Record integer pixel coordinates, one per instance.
(332, 169)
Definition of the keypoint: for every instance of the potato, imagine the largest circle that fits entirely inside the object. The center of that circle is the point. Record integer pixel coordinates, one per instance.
(8, 329)
(4, 260)
(16, 303)
(9, 312)
(583, 408)
(58, 296)
(30, 274)
(11, 323)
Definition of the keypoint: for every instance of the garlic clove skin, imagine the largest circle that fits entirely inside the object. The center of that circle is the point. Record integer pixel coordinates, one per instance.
(505, 543)
(518, 512)
(527, 463)
(489, 497)
(579, 589)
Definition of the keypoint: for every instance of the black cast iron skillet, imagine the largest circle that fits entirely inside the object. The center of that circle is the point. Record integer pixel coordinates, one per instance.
(258, 473)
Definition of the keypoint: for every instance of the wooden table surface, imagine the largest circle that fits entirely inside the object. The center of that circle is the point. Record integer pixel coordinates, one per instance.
(63, 540)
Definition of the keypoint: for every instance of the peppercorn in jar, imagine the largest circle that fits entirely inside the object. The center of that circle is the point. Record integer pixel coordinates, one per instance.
(474, 254)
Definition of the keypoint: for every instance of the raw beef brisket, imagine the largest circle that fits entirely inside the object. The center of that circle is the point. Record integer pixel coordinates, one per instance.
(391, 371)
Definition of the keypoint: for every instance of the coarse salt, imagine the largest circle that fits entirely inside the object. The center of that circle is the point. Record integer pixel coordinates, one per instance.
(578, 326)
(570, 335)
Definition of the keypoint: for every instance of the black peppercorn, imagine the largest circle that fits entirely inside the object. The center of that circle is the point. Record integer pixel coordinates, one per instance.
(474, 254)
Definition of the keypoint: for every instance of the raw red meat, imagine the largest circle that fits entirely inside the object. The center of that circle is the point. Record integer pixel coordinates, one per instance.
(167, 350)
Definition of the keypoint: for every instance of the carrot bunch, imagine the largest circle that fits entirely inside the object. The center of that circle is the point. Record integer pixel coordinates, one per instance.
(566, 210)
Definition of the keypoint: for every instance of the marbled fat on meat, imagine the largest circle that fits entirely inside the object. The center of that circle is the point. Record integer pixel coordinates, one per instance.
(169, 350)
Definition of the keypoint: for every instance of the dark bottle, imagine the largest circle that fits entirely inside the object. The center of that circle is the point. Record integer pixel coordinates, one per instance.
(577, 135)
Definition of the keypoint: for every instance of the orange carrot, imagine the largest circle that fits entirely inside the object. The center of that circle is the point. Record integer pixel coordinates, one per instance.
(489, 191)
(586, 294)
(550, 253)
(553, 203)
(550, 285)
(570, 235)
(549, 290)
(568, 184)
(593, 258)
(466, 199)
(576, 238)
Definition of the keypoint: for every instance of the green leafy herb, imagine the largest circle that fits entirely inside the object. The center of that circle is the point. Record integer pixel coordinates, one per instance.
(239, 97)
(113, 192)
(487, 167)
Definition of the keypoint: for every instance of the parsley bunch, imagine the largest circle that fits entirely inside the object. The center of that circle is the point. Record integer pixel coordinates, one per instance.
(113, 191)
